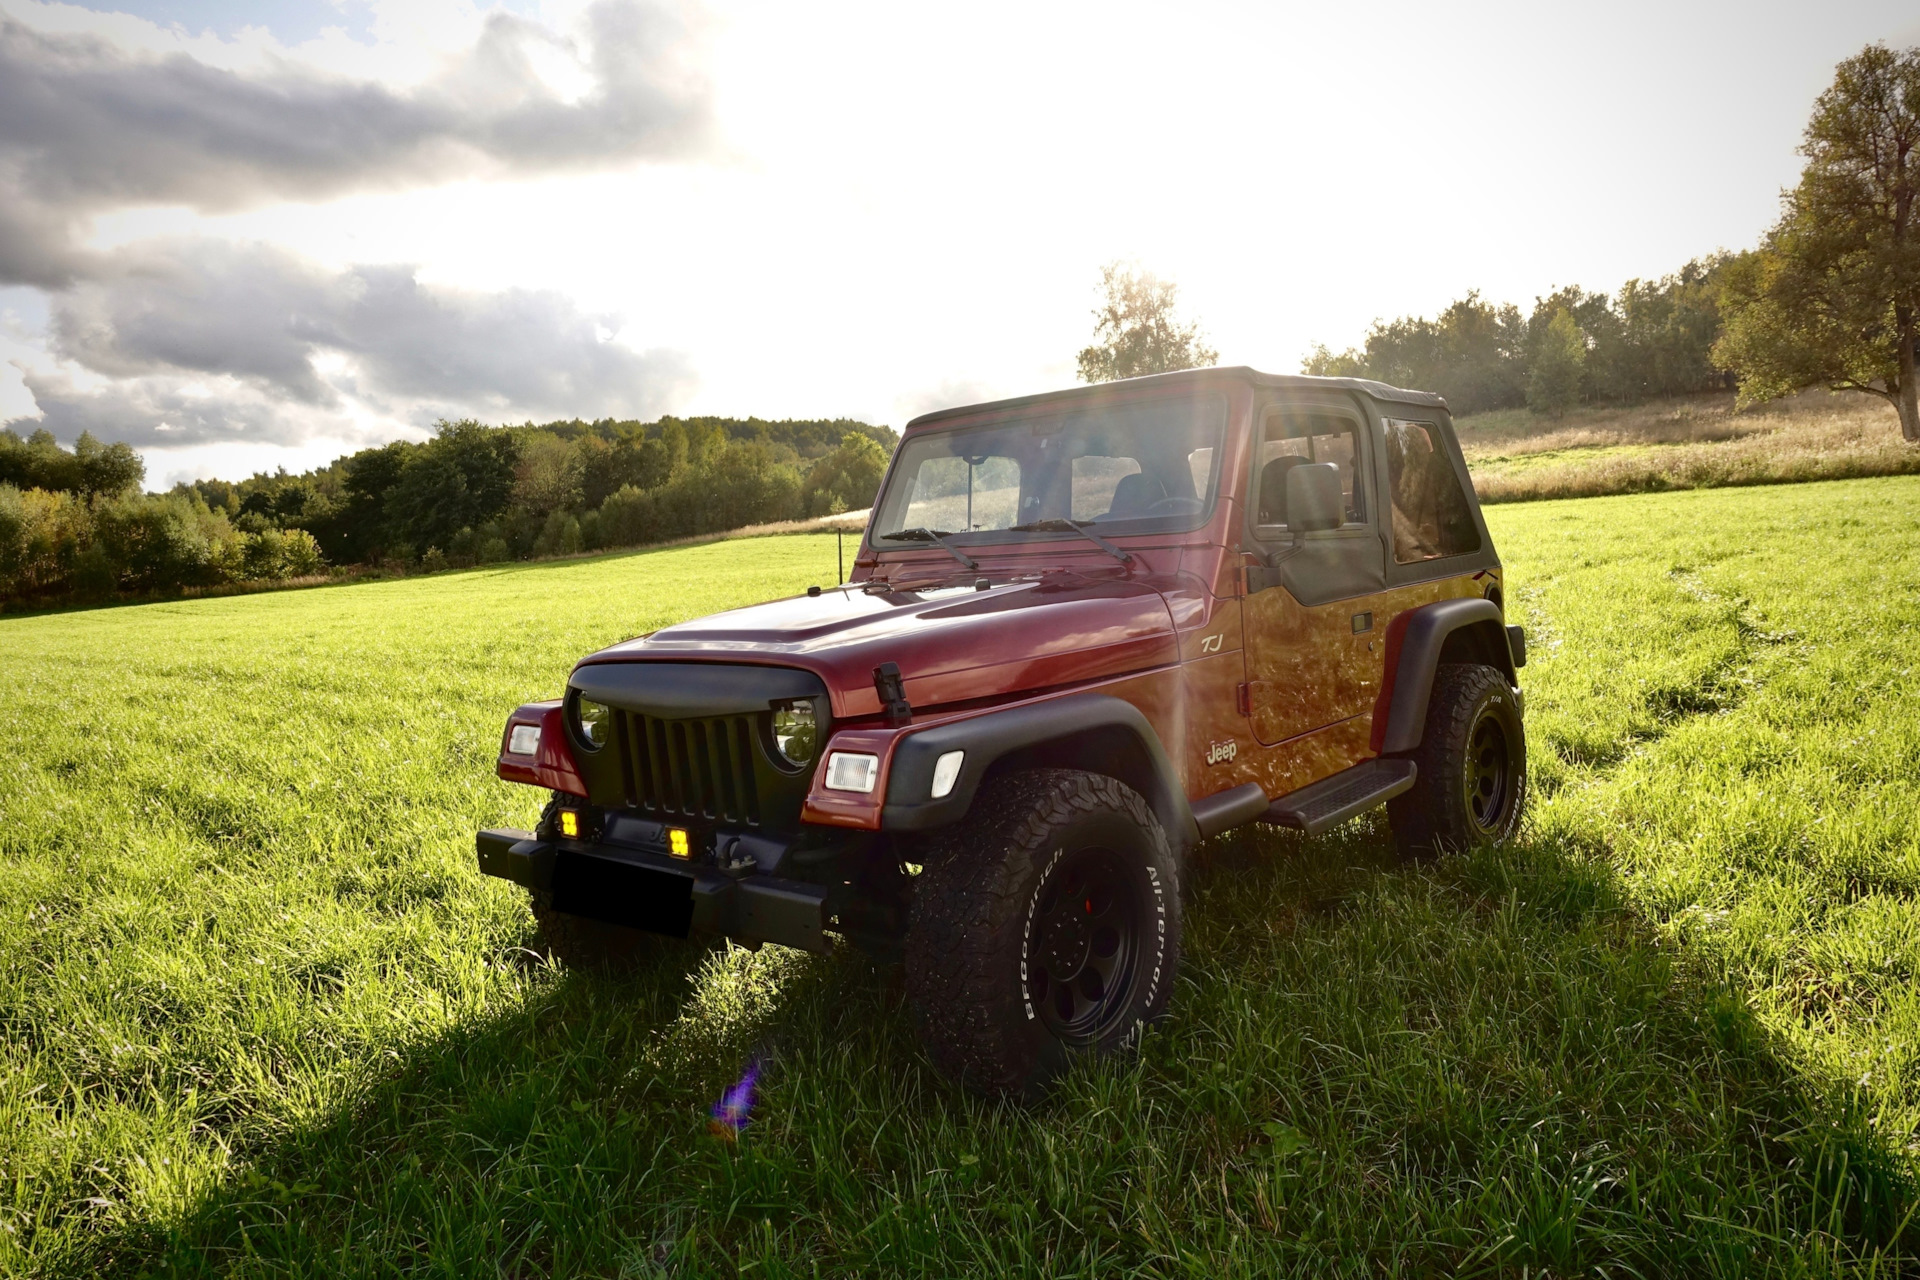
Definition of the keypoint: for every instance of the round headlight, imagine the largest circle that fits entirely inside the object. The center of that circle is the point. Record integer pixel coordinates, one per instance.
(796, 732)
(594, 720)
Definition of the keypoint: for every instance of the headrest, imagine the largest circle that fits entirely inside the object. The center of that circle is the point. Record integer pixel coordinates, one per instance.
(1273, 488)
(1133, 495)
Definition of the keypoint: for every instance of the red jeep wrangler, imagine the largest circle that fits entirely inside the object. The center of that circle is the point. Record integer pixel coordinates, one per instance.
(1085, 631)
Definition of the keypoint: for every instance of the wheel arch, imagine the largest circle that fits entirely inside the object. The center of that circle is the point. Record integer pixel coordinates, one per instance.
(1469, 630)
(1096, 733)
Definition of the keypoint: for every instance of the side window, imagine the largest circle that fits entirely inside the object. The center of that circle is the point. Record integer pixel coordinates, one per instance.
(1200, 466)
(1289, 439)
(1430, 513)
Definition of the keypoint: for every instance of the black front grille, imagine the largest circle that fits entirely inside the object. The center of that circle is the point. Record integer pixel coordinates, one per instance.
(700, 769)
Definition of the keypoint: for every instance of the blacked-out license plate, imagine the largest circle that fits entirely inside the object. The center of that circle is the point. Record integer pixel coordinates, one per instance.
(623, 893)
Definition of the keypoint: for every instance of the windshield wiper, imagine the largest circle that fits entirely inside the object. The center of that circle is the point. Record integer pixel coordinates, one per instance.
(938, 537)
(1073, 526)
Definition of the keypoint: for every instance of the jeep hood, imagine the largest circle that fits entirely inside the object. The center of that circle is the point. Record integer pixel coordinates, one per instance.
(952, 644)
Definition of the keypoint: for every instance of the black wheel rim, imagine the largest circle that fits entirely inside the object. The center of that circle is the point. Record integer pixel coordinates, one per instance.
(1083, 946)
(1489, 774)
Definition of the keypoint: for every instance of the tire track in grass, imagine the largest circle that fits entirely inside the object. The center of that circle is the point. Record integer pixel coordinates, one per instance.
(1760, 818)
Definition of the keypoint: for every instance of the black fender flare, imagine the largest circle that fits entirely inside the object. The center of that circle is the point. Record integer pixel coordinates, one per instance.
(1092, 731)
(1468, 629)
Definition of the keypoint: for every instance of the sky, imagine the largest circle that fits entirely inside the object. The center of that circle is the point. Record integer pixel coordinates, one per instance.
(248, 234)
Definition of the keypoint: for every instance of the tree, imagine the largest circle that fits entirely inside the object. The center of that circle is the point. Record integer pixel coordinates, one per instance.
(1136, 332)
(1832, 296)
(460, 479)
(91, 470)
(550, 475)
(1663, 340)
(1558, 363)
(106, 469)
(846, 479)
(1472, 354)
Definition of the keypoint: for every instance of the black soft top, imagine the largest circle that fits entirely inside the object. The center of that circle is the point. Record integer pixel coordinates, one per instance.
(1224, 373)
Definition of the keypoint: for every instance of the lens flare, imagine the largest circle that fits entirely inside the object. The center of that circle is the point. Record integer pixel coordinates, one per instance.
(730, 1114)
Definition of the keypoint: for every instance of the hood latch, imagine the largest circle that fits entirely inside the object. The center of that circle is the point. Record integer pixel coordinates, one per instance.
(893, 693)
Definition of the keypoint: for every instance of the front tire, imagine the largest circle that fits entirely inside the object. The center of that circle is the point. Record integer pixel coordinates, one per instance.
(1044, 927)
(1471, 787)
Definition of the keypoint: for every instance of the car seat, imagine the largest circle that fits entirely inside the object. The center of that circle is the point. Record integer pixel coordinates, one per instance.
(1273, 488)
(1133, 496)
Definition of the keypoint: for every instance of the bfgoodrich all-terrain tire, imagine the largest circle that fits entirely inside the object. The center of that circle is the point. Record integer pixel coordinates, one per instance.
(1472, 758)
(1045, 925)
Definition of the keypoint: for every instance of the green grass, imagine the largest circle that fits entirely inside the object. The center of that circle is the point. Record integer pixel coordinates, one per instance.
(261, 1015)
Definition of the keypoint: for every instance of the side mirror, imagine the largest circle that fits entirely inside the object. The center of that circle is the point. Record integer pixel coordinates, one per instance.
(1314, 499)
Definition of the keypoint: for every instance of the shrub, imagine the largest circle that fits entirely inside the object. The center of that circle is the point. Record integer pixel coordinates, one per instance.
(627, 518)
(94, 574)
(301, 551)
(157, 542)
(553, 534)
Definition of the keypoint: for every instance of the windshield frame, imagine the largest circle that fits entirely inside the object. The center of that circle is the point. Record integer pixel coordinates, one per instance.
(1201, 398)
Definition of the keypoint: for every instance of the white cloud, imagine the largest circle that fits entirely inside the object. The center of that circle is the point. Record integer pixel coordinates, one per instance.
(190, 342)
(87, 125)
(892, 208)
(170, 342)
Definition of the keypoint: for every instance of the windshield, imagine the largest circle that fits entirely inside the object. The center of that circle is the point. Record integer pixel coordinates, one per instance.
(1131, 468)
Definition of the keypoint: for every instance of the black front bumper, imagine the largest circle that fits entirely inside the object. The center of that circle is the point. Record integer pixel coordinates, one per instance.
(655, 892)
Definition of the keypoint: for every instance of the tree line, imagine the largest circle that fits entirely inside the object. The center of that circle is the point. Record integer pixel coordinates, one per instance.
(1652, 338)
(77, 523)
(1829, 298)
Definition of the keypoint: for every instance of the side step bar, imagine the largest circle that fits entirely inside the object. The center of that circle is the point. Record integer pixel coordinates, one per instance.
(1329, 802)
(1229, 809)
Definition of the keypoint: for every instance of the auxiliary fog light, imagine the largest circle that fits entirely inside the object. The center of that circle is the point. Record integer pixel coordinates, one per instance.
(678, 844)
(946, 772)
(850, 771)
(569, 824)
(524, 740)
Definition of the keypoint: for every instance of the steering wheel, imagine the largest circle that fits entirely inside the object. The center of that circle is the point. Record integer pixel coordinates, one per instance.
(1175, 506)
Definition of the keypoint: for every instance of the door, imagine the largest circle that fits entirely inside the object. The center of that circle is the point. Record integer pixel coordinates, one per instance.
(1314, 650)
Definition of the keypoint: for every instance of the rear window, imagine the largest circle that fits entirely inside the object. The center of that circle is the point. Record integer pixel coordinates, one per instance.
(1431, 516)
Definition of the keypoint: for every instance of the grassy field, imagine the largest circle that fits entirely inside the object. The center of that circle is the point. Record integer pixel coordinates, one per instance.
(262, 1017)
(1697, 443)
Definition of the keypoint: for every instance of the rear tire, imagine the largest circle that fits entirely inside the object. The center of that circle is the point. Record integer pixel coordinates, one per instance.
(1044, 927)
(1472, 783)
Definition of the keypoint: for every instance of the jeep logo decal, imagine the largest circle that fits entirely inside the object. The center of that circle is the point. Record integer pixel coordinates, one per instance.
(1222, 751)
